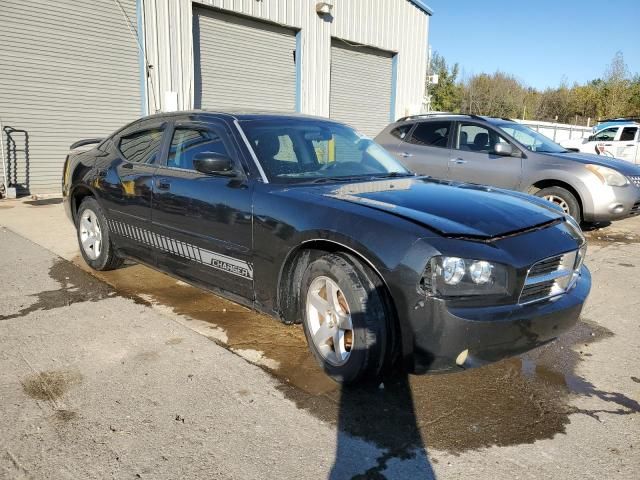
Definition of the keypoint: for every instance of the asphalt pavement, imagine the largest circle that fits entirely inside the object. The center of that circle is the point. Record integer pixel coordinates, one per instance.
(134, 374)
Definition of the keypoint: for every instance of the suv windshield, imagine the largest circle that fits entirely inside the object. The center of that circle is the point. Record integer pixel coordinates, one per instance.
(530, 139)
(303, 150)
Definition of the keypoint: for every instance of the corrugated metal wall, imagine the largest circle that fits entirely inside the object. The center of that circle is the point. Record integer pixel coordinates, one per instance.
(68, 70)
(392, 25)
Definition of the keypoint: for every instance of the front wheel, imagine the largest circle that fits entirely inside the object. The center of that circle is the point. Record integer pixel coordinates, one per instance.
(562, 198)
(93, 237)
(345, 318)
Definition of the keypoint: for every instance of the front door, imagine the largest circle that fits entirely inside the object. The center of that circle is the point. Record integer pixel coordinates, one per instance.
(203, 221)
(473, 159)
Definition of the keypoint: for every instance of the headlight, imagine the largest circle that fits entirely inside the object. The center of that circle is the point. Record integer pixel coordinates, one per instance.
(459, 277)
(608, 176)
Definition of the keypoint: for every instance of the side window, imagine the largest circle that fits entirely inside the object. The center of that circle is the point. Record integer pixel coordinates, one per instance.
(476, 138)
(628, 134)
(188, 142)
(141, 147)
(606, 135)
(431, 134)
(401, 131)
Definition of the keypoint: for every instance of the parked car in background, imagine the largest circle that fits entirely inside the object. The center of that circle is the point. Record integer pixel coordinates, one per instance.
(620, 140)
(308, 221)
(503, 153)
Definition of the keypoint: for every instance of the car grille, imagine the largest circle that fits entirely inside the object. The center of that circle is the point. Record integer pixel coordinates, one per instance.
(550, 277)
(635, 179)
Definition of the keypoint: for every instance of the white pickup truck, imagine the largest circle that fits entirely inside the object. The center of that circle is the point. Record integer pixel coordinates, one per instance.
(620, 141)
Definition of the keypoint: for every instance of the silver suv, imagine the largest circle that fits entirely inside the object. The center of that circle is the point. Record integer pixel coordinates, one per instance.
(507, 154)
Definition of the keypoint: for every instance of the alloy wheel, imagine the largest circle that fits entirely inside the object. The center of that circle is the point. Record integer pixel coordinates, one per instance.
(90, 234)
(561, 202)
(329, 320)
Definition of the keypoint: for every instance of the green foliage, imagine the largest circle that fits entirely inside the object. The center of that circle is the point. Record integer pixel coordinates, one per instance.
(616, 94)
(447, 93)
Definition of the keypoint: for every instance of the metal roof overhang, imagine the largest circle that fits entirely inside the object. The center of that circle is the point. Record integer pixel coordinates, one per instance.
(422, 6)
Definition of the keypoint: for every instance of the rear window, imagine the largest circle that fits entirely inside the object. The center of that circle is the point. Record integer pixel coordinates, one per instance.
(431, 134)
(141, 147)
(401, 131)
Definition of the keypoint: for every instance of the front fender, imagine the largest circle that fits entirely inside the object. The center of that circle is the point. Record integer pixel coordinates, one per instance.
(573, 180)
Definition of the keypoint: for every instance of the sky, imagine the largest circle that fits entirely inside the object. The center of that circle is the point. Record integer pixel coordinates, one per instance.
(540, 42)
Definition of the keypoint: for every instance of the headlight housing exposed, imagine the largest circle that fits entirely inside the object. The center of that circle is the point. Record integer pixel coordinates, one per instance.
(608, 176)
(447, 276)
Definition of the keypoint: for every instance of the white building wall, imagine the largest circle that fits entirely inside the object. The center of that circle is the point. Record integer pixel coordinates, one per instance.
(393, 25)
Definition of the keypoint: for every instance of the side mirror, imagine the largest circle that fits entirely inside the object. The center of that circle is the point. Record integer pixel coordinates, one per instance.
(503, 149)
(213, 163)
(591, 138)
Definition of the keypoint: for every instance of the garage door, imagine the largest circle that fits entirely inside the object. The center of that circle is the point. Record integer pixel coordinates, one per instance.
(68, 70)
(361, 82)
(241, 64)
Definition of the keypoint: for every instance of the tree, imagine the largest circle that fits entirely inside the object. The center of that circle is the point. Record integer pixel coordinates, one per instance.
(499, 94)
(616, 91)
(445, 95)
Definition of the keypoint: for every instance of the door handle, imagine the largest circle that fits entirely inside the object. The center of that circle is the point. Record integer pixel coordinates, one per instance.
(406, 155)
(458, 161)
(164, 185)
(102, 172)
(128, 166)
(630, 144)
(608, 144)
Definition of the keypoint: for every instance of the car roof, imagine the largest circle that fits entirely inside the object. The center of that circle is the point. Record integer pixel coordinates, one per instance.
(450, 116)
(239, 115)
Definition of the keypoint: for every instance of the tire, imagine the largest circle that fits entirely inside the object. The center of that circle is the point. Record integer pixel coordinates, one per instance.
(91, 226)
(364, 345)
(564, 199)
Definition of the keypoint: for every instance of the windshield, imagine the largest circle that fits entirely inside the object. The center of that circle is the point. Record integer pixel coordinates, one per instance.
(303, 150)
(530, 139)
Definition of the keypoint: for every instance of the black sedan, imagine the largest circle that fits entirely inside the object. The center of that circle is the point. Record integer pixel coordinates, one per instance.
(308, 221)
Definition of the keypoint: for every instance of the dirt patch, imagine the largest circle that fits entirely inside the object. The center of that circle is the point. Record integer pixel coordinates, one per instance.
(50, 385)
(174, 341)
(75, 286)
(604, 238)
(65, 416)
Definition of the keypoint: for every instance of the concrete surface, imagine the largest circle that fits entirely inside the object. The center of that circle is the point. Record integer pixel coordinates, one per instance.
(137, 375)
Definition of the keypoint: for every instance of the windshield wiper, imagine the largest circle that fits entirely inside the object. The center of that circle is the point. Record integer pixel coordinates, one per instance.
(393, 175)
(339, 179)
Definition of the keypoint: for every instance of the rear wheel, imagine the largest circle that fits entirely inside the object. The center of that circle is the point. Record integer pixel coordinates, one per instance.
(93, 237)
(562, 198)
(345, 317)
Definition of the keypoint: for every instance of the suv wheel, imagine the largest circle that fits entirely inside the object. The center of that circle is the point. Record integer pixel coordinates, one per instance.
(563, 198)
(93, 237)
(345, 318)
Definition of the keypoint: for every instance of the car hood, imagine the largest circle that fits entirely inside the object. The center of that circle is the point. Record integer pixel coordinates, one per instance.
(451, 209)
(624, 167)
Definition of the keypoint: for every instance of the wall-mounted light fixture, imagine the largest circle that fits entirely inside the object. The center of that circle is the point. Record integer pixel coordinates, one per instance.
(323, 8)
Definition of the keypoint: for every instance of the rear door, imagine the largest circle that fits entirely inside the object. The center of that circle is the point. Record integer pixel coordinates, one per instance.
(473, 159)
(203, 222)
(426, 149)
(124, 180)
